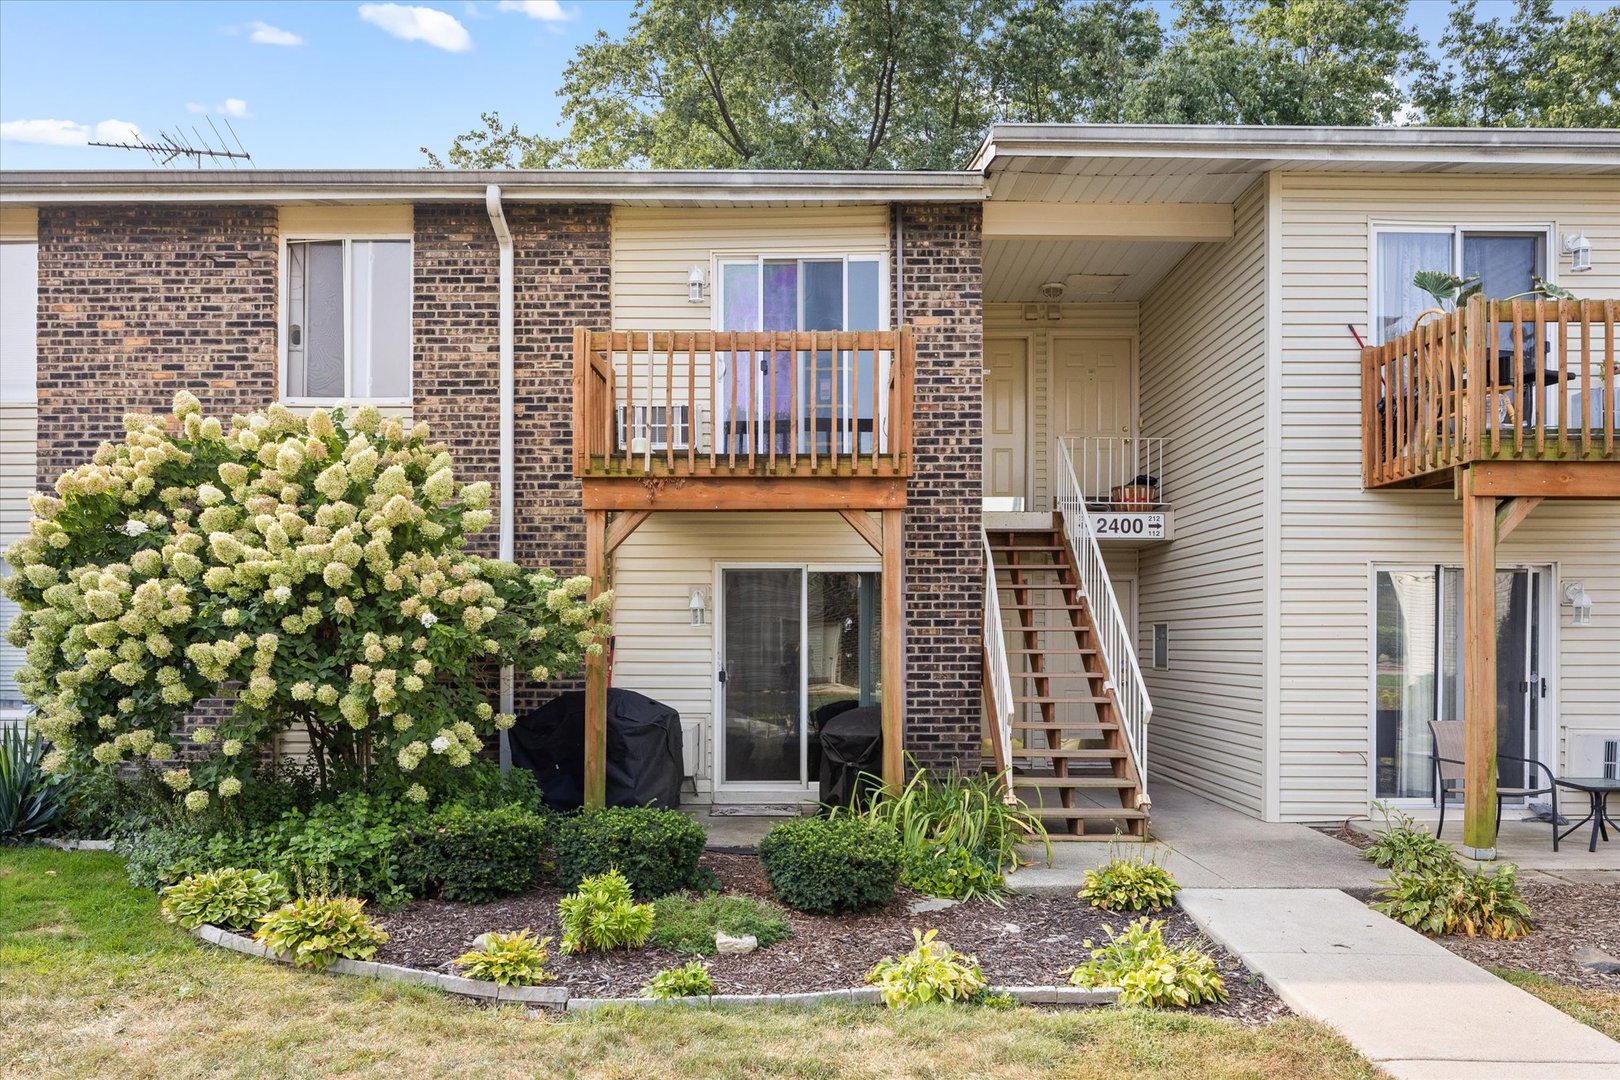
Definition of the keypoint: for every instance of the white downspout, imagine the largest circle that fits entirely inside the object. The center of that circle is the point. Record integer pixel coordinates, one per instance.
(503, 237)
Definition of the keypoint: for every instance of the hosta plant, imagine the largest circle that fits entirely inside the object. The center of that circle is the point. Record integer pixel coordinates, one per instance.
(317, 930)
(688, 980)
(231, 898)
(1149, 972)
(931, 972)
(1133, 883)
(603, 915)
(310, 568)
(1456, 901)
(32, 799)
(508, 959)
(1407, 848)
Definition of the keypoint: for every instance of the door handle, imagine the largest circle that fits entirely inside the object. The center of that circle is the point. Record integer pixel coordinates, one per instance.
(1543, 687)
(722, 677)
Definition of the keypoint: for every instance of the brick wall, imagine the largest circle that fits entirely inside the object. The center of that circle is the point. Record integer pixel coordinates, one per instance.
(138, 302)
(941, 288)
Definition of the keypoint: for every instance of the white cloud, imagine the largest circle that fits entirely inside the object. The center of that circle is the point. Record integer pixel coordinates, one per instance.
(262, 33)
(67, 132)
(545, 10)
(410, 23)
(233, 107)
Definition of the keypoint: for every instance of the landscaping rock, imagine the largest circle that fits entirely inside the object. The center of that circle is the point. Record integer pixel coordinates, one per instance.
(726, 945)
(1596, 960)
(929, 904)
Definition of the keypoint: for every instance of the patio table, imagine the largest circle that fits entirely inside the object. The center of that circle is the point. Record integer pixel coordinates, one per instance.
(1598, 789)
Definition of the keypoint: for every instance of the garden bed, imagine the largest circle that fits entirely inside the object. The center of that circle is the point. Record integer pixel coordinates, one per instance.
(1565, 918)
(1029, 941)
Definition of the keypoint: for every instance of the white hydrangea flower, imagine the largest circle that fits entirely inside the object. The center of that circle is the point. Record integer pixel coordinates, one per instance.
(441, 744)
(428, 618)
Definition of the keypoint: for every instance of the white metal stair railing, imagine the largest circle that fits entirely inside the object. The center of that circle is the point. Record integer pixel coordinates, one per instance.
(997, 669)
(1114, 639)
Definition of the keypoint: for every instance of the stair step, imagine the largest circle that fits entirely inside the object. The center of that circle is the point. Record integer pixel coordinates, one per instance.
(1044, 588)
(1087, 812)
(1054, 652)
(1090, 783)
(1029, 547)
(1045, 607)
(1065, 725)
(1082, 754)
(1086, 700)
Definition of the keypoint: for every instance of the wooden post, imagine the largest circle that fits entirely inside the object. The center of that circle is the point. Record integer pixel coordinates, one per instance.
(1479, 670)
(893, 661)
(596, 668)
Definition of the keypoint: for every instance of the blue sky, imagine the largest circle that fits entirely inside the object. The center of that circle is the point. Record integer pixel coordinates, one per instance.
(306, 85)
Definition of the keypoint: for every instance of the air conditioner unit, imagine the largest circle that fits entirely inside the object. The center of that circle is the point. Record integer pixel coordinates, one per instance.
(651, 422)
(1594, 753)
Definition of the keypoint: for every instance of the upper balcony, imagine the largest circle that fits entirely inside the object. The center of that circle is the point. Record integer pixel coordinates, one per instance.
(1524, 389)
(721, 420)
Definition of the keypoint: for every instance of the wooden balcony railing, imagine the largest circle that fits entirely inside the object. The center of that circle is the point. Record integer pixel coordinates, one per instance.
(1520, 380)
(718, 404)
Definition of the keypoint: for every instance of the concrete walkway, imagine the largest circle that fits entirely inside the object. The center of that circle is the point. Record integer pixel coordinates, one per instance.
(1209, 846)
(1407, 1004)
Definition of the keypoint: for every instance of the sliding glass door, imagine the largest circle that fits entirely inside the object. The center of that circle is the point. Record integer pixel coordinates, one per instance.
(797, 647)
(1418, 672)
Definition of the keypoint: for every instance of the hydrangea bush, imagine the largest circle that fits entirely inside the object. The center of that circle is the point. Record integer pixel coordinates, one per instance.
(310, 568)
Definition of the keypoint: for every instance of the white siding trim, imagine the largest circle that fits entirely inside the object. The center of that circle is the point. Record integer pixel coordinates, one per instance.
(1271, 678)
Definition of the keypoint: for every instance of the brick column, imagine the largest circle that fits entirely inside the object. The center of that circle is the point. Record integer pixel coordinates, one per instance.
(941, 277)
(137, 302)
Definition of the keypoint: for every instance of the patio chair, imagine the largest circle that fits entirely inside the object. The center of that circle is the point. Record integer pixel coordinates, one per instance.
(1448, 770)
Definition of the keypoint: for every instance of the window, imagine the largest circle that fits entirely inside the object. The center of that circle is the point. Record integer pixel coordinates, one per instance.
(842, 292)
(348, 320)
(1507, 261)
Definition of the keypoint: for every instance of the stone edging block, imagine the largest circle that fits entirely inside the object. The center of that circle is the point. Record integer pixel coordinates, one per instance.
(557, 997)
(78, 845)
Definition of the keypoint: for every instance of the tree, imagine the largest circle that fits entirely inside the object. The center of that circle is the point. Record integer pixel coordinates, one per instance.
(1534, 71)
(311, 569)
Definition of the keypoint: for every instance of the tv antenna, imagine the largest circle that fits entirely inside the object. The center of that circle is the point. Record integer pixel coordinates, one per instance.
(170, 147)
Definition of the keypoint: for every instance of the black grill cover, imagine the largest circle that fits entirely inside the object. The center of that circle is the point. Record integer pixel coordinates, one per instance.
(644, 766)
(851, 744)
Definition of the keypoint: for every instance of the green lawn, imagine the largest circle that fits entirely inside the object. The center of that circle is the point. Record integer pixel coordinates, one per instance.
(94, 984)
(1594, 1008)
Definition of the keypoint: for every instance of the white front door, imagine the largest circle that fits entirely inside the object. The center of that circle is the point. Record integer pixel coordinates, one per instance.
(1006, 404)
(1093, 387)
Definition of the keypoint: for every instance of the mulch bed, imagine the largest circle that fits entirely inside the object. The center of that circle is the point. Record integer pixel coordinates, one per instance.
(1564, 919)
(1031, 940)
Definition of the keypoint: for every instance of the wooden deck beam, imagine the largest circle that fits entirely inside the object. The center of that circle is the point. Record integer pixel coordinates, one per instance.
(1511, 512)
(596, 668)
(744, 493)
(1548, 479)
(869, 530)
(892, 653)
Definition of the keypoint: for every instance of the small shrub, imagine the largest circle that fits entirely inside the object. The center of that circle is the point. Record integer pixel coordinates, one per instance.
(508, 959)
(317, 930)
(603, 915)
(972, 812)
(931, 972)
(164, 853)
(105, 806)
(32, 799)
(1405, 848)
(827, 866)
(688, 980)
(231, 899)
(687, 924)
(1457, 902)
(482, 786)
(1149, 972)
(355, 844)
(477, 855)
(656, 850)
(951, 871)
(1129, 884)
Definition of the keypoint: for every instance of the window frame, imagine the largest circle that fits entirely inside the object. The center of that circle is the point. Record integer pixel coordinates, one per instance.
(1459, 231)
(348, 239)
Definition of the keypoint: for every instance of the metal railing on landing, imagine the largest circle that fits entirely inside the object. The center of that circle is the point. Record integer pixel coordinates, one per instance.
(997, 670)
(1114, 639)
(1120, 472)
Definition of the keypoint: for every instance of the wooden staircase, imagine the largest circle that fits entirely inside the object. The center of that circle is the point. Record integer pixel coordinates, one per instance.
(1077, 772)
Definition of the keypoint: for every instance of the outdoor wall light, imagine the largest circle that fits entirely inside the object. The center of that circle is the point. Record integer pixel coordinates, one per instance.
(1580, 252)
(697, 284)
(1580, 602)
(697, 605)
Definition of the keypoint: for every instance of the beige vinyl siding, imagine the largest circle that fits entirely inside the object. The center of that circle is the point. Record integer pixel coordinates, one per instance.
(18, 428)
(1007, 321)
(1332, 532)
(1203, 386)
(657, 650)
(19, 413)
